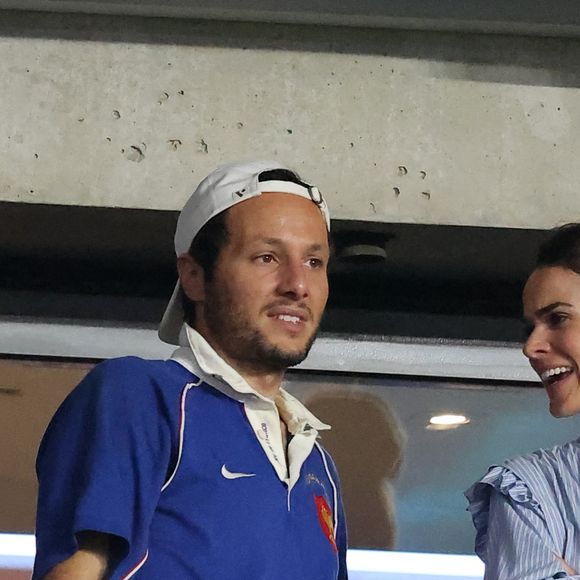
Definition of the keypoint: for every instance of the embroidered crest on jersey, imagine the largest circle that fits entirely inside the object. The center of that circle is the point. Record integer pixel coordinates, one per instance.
(325, 518)
(311, 479)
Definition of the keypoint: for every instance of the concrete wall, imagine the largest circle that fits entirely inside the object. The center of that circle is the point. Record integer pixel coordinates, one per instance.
(398, 126)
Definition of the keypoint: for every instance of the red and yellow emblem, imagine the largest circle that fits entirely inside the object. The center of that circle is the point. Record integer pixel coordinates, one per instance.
(325, 518)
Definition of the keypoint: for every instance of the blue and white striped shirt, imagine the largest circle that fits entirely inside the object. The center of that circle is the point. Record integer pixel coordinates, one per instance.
(527, 514)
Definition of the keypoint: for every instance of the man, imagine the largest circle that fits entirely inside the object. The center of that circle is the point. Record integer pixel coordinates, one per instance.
(201, 466)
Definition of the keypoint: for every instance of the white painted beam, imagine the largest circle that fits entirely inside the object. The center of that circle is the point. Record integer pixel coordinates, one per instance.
(332, 354)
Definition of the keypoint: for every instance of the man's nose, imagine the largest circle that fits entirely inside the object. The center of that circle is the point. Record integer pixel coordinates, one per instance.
(293, 280)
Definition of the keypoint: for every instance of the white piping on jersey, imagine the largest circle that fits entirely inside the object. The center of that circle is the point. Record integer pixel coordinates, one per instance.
(181, 430)
(262, 412)
(137, 567)
(334, 491)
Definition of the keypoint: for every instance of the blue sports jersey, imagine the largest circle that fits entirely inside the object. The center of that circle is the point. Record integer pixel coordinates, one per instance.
(148, 452)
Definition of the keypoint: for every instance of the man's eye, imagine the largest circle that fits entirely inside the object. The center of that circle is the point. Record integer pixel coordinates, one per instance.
(266, 258)
(315, 263)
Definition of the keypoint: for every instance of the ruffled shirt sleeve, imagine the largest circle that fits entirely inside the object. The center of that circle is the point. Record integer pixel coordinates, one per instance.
(515, 534)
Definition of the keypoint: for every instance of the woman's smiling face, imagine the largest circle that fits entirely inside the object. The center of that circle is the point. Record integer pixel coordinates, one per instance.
(551, 301)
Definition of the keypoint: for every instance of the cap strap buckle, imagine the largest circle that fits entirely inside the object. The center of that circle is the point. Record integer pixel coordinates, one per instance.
(315, 194)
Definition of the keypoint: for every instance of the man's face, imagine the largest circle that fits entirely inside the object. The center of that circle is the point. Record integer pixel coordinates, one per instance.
(263, 305)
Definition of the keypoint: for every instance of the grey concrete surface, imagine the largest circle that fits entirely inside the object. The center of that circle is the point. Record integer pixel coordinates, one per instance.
(394, 126)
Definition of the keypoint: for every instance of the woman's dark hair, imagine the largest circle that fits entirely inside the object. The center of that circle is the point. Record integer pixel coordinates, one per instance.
(213, 236)
(562, 248)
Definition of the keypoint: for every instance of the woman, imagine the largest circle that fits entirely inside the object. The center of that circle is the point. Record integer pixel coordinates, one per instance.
(527, 511)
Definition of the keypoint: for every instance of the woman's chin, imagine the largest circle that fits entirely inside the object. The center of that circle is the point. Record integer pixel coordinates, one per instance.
(557, 412)
(561, 409)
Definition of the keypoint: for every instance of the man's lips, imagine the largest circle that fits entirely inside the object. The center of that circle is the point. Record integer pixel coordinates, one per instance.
(289, 314)
(289, 318)
(291, 322)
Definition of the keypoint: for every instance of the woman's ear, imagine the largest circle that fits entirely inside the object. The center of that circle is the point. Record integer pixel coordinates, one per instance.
(192, 278)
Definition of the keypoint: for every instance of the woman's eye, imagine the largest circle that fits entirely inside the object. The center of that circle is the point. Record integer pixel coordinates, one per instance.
(556, 319)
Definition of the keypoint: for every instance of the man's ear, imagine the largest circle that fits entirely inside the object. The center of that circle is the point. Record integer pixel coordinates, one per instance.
(192, 277)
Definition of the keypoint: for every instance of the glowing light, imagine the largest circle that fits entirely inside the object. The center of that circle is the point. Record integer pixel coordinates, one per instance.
(449, 421)
(17, 545)
(410, 564)
(17, 551)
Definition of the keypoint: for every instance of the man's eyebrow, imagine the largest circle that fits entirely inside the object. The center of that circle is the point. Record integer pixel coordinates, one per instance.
(315, 248)
(270, 241)
(550, 307)
(278, 242)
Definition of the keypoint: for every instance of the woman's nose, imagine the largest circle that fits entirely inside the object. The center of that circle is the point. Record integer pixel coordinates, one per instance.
(536, 344)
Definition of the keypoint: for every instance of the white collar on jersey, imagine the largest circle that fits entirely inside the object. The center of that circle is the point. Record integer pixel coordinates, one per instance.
(202, 360)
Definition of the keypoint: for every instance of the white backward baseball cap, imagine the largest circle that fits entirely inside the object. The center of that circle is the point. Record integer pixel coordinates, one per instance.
(220, 190)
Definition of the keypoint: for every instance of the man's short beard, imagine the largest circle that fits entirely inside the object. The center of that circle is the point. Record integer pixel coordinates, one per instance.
(272, 358)
(238, 340)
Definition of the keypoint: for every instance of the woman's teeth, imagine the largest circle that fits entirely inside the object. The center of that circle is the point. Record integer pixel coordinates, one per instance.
(555, 371)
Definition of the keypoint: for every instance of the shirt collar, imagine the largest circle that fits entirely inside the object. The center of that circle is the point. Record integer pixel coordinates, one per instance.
(200, 358)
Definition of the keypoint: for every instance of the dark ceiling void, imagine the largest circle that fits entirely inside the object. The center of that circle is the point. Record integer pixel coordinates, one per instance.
(117, 266)
(556, 18)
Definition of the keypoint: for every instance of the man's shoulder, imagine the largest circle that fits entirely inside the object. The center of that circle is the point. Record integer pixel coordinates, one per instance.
(132, 374)
(326, 457)
(133, 390)
(141, 366)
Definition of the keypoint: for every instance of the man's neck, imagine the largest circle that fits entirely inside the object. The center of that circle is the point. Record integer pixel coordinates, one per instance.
(266, 383)
(262, 379)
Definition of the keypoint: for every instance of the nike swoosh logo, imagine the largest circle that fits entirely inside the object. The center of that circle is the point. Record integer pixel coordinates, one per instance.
(231, 475)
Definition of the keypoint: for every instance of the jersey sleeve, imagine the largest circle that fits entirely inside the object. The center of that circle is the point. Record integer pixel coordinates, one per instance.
(512, 536)
(102, 463)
